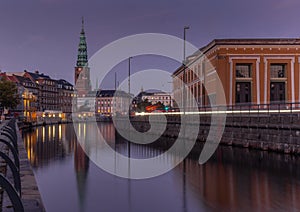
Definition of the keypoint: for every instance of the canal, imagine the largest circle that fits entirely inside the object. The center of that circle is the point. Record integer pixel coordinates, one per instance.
(233, 179)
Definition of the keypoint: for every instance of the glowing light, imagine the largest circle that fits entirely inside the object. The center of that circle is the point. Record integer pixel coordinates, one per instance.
(222, 112)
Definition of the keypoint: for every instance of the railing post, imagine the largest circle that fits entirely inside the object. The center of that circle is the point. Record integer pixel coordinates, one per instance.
(12, 193)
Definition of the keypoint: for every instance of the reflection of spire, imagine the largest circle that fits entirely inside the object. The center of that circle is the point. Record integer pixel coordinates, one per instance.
(81, 168)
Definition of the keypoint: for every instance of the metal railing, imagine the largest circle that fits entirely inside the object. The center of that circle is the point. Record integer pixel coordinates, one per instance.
(8, 142)
(240, 109)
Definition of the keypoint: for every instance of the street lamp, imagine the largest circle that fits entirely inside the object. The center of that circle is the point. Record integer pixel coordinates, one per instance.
(184, 68)
(129, 70)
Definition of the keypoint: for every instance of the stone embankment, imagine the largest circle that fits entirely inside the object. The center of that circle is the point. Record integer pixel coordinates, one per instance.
(279, 133)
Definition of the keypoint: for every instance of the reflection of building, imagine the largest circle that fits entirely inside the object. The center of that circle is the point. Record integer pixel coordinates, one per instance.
(81, 167)
(257, 71)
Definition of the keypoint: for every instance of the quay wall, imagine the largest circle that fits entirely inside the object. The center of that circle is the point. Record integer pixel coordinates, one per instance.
(279, 133)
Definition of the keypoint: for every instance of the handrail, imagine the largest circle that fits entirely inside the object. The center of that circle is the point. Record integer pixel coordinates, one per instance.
(14, 170)
(12, 193)
(8, 136)
(13, 150)
(13, 141)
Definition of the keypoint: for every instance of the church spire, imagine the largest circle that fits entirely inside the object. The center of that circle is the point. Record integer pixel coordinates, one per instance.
(82, 48)
(82, 24)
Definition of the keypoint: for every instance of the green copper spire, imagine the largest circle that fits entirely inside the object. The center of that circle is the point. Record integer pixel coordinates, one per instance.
(82, 49)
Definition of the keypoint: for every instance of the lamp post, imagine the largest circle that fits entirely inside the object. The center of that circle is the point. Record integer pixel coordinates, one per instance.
(129, 70)
(128, 142)
(184, 118)
(184, 69)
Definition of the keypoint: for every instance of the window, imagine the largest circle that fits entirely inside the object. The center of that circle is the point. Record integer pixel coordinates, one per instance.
(278, 71)
(243, 92)
(243, 71)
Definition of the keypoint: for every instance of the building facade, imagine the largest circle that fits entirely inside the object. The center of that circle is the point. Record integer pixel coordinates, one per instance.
(158, 96)
(112, 102)
(65, 94)
(251, 71)
(41, 96)
(47, 90)
(28, 94)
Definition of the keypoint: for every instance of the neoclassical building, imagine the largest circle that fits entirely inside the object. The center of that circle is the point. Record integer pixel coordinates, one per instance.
(251, 71)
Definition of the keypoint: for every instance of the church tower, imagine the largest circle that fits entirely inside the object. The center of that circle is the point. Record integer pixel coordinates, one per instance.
(82, 71)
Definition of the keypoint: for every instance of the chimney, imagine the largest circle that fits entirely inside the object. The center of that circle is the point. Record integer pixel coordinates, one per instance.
(36, 71)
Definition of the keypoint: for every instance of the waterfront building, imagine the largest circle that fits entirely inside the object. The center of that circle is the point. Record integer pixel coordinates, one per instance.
(112, 102)
(65, 94)
(28, 93)
(48, 93)
(251, 71)
(156, 96)
(41, 96)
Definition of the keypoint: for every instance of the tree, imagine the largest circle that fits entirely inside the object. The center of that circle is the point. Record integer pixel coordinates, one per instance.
(8, 94)
(160, 106)
(143, 104)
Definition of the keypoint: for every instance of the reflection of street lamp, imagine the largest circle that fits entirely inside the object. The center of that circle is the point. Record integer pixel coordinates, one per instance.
(184, 68)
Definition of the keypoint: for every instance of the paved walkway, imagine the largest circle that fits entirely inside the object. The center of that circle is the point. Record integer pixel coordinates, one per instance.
(31, 197)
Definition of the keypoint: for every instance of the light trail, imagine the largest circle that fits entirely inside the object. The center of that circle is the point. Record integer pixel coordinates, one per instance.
(253, 111)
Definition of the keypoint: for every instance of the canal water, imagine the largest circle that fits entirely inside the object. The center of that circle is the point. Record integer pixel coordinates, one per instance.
(233, 179)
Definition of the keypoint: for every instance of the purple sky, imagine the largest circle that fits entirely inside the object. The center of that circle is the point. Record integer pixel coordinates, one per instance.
(44, 34)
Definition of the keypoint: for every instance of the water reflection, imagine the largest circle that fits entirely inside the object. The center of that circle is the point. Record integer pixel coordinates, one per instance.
(233, 179)
(47, 143)
(81, 168)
